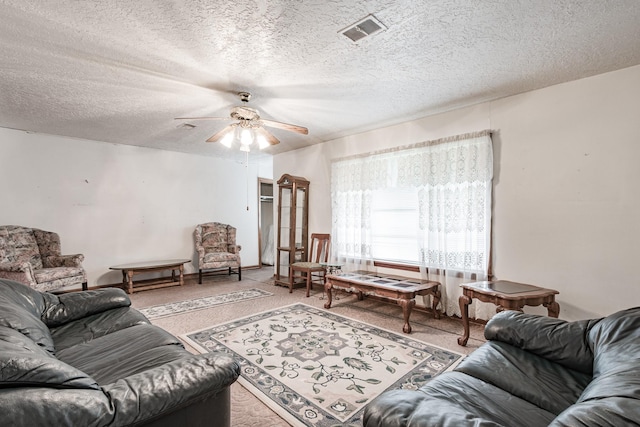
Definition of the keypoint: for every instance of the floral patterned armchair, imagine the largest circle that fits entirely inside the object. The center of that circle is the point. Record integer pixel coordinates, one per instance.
(217, 249)
(33, 257)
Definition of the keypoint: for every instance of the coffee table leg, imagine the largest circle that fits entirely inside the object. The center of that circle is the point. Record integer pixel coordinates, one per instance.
(327, 291)
(407, 305)
(130, 281)
(437, 295)
(181, 274)
(553, 309)
(464, 308)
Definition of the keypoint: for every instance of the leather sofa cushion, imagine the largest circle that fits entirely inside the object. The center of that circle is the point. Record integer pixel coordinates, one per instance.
(76, 305)
(21, 317)
(563, 342)
(22, 308)
(111, 357)
(33, 313)
(25, 364)
(539, 381)
(95, 326)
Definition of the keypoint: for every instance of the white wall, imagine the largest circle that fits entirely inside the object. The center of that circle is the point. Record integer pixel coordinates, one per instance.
(566, 211)
(119, 204)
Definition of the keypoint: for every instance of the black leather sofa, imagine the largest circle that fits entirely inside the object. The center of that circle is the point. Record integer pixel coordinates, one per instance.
(532, 371)
(89, 359)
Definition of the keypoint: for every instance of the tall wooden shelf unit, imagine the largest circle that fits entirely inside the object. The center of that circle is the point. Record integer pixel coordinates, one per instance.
(293, 224)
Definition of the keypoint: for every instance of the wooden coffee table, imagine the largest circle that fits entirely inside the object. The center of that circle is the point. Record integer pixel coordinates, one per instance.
(129, 270)
(507, 296)
(398, 288)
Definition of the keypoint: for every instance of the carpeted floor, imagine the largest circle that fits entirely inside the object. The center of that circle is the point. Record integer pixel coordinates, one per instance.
(247, 409)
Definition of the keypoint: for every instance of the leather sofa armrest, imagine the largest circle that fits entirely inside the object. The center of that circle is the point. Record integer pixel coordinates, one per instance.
(76, 305)
(135, 400)
(563, 342)
(174, 385)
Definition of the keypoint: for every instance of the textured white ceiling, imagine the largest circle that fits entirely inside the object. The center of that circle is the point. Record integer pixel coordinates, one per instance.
(121, 71)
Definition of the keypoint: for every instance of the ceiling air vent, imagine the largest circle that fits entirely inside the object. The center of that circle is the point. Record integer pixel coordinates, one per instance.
(365, 27)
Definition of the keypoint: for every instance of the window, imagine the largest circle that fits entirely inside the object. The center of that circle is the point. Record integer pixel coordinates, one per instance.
(394, 225)
(428, 204)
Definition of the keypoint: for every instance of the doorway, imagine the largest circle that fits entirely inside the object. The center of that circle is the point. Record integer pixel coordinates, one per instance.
(266, 245)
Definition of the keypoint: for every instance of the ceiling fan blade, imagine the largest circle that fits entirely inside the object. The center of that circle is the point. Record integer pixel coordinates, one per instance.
(203, 118)
(272, 140)
(220, 134)
(285, 126)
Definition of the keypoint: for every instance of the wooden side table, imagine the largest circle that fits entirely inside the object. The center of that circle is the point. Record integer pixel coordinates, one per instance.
(507, 296)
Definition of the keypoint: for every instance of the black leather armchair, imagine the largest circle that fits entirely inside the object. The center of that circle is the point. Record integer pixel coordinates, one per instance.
(533, 371)
(88, 358)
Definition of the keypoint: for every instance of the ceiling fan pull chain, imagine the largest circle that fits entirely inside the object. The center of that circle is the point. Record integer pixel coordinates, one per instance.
(246, 165)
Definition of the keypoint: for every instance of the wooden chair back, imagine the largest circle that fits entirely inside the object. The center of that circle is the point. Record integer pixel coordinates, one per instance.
(319, 249)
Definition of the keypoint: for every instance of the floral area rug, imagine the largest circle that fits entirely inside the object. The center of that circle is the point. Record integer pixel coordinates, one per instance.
(316, 368)
(180, 307)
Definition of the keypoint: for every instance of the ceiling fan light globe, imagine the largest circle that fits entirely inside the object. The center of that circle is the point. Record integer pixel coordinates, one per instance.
(246, 137)
(245, 148)
(262, 142)
(227, 140)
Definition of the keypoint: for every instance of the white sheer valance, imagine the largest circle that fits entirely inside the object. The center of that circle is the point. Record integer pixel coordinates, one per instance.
(414, 165)
(428, 204)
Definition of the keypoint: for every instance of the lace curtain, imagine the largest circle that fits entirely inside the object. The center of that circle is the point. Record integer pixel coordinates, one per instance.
(452, 181)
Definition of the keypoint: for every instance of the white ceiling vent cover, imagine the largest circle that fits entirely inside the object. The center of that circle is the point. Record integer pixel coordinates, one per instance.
(365, 27)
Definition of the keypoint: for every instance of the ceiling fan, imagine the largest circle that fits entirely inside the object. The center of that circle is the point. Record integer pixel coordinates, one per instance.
(249, 127)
